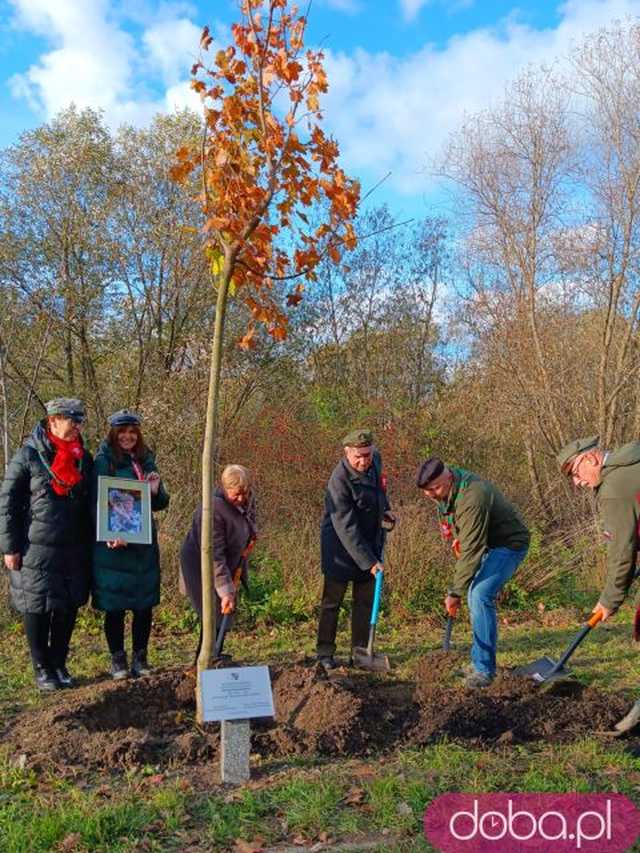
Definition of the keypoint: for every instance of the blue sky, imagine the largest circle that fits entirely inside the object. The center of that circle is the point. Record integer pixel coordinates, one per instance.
(403, 73)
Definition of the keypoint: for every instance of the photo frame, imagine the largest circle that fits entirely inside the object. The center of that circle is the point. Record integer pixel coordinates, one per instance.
(124, 510)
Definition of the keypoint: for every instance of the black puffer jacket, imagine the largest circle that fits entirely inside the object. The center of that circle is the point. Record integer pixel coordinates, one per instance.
(53, 533)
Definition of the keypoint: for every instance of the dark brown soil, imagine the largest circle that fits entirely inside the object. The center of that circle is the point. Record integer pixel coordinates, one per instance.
(150, 721)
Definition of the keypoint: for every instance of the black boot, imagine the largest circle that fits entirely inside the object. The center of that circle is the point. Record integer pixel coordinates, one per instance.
(119, 669)
(46, 679)
(64, 676)
(139, 664)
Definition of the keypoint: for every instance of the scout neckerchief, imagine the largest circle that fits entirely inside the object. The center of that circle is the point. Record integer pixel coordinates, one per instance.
(447, 508)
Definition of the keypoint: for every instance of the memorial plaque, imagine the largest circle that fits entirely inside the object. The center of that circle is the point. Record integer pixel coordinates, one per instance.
(236, 693)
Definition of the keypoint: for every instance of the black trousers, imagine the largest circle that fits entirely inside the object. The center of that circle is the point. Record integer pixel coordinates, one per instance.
(140, 629)
(48, 635)
(332, 595)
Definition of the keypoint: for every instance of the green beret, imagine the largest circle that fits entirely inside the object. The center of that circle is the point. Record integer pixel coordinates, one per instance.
(68, 407)
(358, 438)
(571, 450)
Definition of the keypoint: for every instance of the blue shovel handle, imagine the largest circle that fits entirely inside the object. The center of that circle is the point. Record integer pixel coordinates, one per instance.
(377, 595)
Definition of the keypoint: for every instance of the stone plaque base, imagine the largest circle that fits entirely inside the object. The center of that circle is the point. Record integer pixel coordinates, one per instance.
(235, 743)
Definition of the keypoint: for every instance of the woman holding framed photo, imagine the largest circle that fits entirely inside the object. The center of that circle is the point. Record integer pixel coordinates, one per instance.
(126, 574)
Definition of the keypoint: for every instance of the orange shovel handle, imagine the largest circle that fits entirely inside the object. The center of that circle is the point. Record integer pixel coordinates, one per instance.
(597, 617)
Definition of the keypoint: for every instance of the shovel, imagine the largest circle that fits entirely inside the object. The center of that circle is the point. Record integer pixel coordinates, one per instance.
(365, 658)
(226, 614)
(545, 669)
(452, 612)
(226, 619)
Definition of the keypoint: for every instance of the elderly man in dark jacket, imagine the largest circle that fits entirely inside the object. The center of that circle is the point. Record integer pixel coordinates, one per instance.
(352, 540)
(46, 534)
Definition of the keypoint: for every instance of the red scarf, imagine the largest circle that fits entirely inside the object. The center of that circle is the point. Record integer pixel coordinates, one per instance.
(64, 468)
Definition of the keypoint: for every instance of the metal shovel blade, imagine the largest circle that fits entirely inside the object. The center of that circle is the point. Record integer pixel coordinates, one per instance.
(365, 657)
(375, 662)
(543, 669)
(546, 670)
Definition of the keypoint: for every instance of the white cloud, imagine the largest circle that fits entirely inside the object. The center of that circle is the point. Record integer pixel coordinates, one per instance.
(395, 113)
(172, 45)
(389, 113)
(95, 62)
(180, 97)
(92, 60)
(411, 8)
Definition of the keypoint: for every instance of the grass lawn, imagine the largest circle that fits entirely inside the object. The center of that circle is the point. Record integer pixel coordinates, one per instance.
(372, 803)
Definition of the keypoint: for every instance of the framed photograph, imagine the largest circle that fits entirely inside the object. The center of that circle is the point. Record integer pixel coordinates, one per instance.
(124, 510)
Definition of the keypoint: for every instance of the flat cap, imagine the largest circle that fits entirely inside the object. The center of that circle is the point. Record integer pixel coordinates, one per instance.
(358, 438)
(125, 417)
(428, 471)
(575, 447)
(68, 407)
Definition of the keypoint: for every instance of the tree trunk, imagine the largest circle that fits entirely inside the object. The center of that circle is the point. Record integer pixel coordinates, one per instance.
(206, 545)
(5, 406)
(541, 504)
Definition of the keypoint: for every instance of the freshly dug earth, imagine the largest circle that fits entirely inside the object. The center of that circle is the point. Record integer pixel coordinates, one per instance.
(150, 721)
(512, 710)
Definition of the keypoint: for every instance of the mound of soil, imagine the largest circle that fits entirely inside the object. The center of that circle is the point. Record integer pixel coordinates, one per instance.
(150, 721)
(512, 710)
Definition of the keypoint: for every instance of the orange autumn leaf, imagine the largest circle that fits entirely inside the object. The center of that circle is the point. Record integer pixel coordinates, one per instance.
(205, 40)
(247, 341)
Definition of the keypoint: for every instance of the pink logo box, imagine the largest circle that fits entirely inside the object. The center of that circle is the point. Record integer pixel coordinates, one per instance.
(518, 823)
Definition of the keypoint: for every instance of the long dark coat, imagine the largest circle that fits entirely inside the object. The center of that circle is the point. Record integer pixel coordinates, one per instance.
(126, 578)
(233, 528)
(52, 532)
(351, 534)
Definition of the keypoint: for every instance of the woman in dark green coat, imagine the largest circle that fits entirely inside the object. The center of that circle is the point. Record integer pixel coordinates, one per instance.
(126, 576)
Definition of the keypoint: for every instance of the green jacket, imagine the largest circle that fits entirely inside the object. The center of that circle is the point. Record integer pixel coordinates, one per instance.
(126, 578)
(482, 518)
(618, 498)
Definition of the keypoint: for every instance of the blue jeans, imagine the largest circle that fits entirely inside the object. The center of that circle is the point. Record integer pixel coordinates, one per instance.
(496, 568)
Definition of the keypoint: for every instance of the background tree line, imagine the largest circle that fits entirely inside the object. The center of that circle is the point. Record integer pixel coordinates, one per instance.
(490, 338)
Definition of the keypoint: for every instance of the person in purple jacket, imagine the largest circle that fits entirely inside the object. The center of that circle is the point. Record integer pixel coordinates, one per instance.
(234, 528)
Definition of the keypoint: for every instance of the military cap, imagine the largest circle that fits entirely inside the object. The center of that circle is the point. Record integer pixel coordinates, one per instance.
(125, 417)
(428, 471)
(358, 438)
(574, 448)
(68, 407)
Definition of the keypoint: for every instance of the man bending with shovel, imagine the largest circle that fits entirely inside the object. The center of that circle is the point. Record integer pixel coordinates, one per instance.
(489, 540)
(352, 533)
(614, 477)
